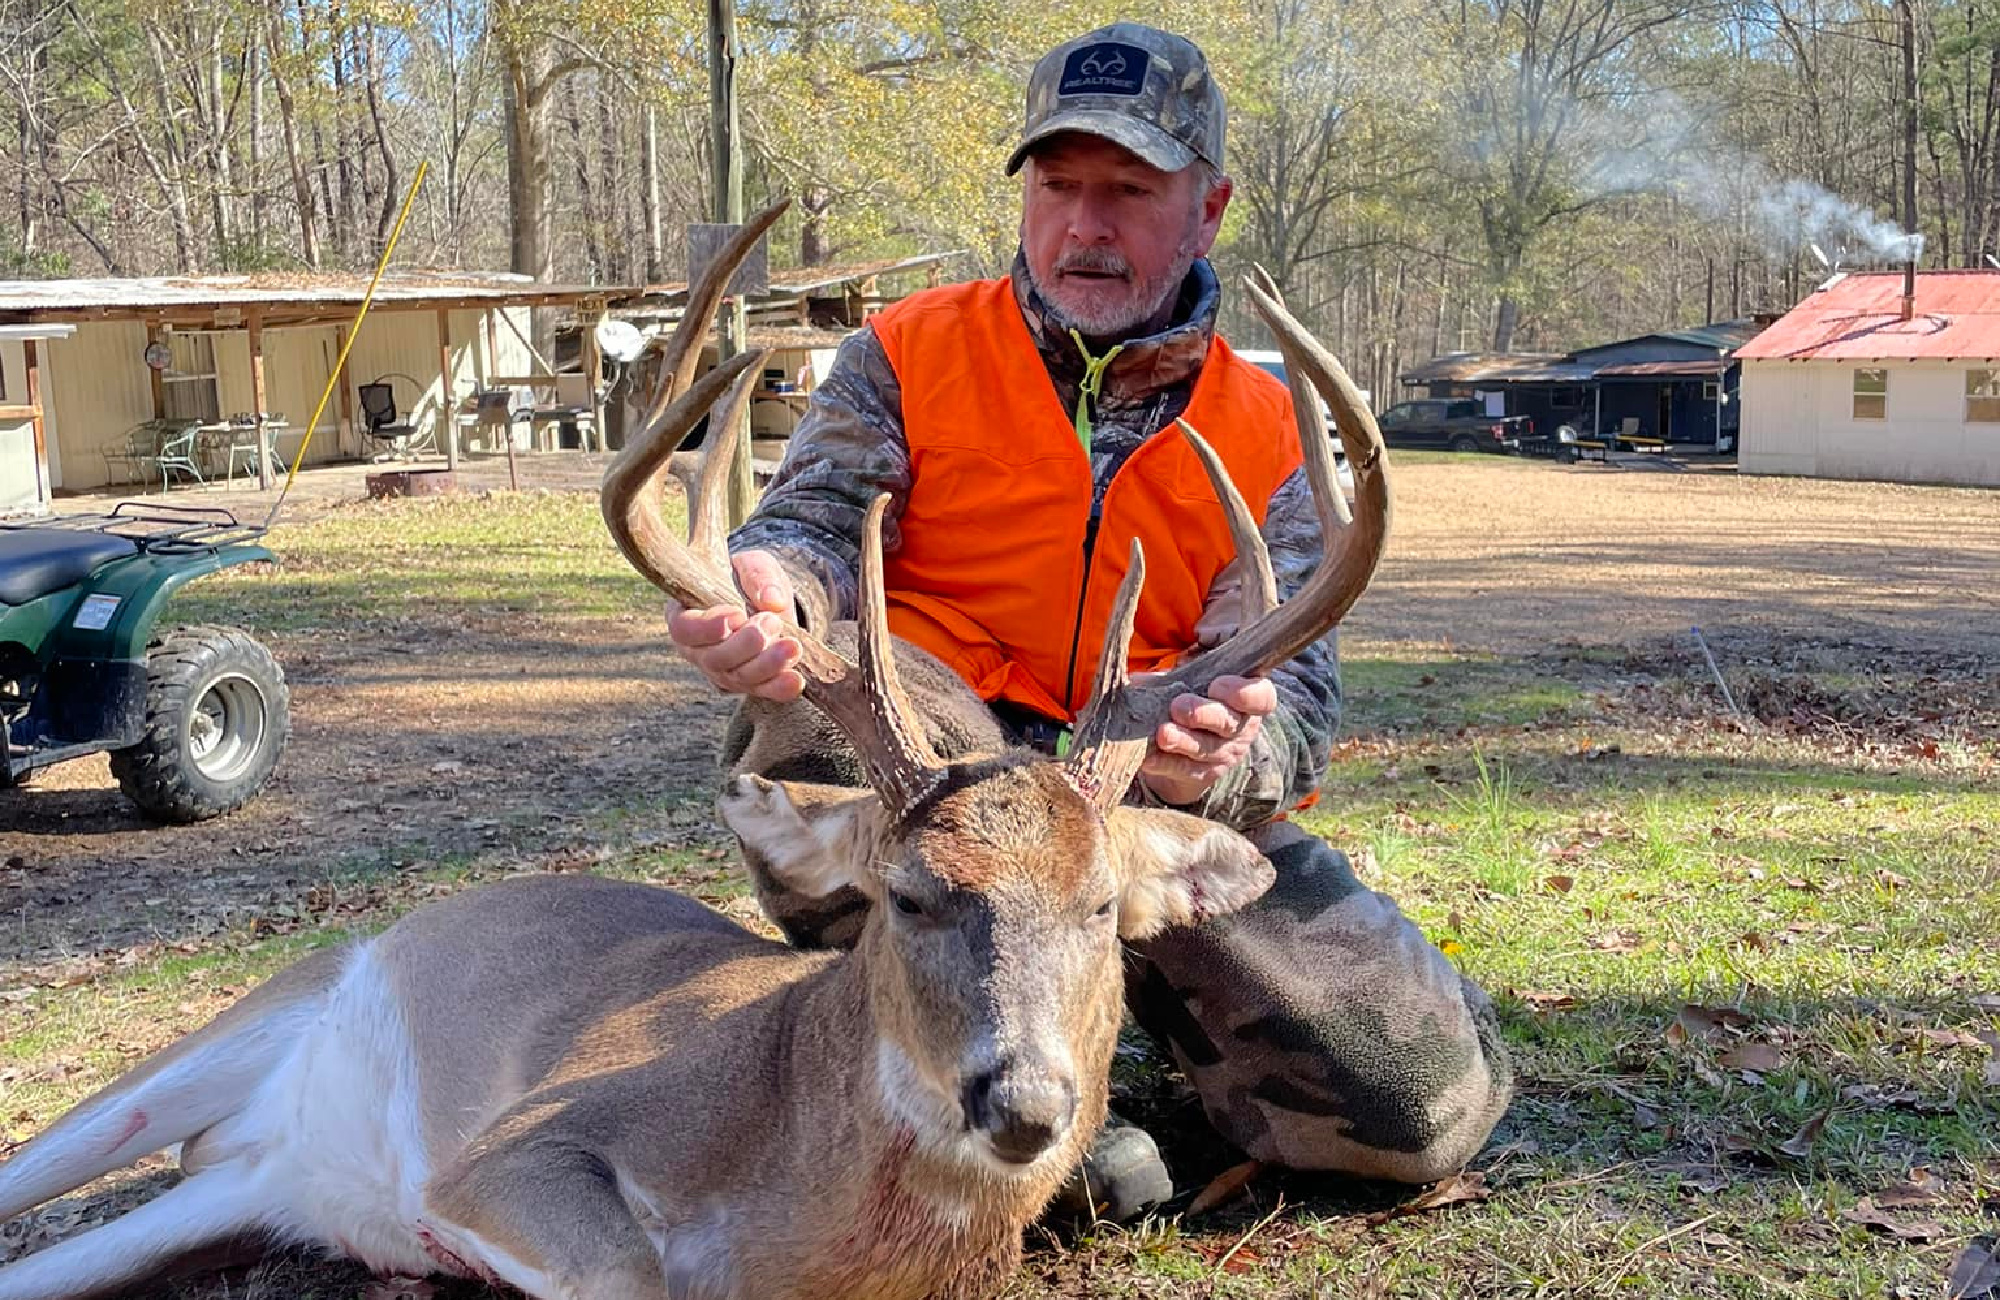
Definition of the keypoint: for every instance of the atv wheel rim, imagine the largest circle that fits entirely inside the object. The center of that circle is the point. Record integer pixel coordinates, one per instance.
(226, 729)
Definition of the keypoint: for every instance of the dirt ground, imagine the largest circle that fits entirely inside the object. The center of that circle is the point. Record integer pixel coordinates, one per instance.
(556, 740)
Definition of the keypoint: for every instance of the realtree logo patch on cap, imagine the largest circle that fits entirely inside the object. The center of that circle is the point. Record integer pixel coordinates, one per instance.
(1108, 68)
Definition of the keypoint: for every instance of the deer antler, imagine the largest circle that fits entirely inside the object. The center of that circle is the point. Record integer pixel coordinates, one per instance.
(1118, 724)
(866, 701)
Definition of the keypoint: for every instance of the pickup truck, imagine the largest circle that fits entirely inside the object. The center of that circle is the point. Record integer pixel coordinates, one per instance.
(1452, 425)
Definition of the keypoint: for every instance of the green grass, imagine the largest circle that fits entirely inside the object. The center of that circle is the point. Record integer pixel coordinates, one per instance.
(1594, 859)
(372, 565)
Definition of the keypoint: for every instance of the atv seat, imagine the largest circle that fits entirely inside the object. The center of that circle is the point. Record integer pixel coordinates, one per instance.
(37, 561)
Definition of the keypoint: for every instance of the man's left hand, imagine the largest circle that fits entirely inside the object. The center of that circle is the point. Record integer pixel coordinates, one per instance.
(1206, 737)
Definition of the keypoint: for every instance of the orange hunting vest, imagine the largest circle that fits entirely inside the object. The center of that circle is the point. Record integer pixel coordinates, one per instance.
(996, 573)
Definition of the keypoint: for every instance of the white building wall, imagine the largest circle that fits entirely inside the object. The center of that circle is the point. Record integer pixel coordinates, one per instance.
(20, 479)
(96, 388)
(1798, 418)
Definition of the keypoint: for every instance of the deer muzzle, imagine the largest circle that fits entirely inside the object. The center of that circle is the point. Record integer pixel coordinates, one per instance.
(1023, 1108)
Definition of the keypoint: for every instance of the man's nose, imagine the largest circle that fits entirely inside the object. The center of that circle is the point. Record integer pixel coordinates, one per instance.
(1090, 221)
(1022, 1111)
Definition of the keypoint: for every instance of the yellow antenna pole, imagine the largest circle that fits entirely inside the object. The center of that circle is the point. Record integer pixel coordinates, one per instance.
(353, 332)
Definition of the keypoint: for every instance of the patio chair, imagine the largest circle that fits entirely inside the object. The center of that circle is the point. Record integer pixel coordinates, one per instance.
(398, 437)
(130, 461)
(177, 455)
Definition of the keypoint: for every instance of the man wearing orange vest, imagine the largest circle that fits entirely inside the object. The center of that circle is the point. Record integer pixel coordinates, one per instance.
(1018, 426)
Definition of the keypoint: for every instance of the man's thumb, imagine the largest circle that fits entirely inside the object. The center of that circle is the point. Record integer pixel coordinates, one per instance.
(764, 582)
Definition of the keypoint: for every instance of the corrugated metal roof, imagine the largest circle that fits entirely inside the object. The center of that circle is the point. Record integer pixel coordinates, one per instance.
(1727, 334)
(1859, 318)
(1683, 369)
(1496, 367)
(270, 288)
(804, 279)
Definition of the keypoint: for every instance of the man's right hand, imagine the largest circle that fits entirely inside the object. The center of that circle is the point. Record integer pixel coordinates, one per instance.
(744, 653)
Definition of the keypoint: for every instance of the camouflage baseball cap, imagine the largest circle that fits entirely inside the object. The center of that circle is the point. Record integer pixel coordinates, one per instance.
(1136, 86)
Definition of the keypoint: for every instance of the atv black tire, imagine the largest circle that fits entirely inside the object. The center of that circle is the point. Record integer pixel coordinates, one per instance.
(218, 715)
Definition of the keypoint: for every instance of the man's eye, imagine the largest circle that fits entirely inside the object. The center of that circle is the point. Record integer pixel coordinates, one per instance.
(905, 904)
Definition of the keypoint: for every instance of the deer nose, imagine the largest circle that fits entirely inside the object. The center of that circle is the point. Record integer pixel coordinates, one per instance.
(1023, 1113)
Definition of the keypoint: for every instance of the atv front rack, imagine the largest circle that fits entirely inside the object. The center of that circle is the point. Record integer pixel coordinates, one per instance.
(158, 529)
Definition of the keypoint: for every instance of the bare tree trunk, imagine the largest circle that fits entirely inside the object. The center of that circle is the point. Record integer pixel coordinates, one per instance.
(593, 215)
(649, 195)
(385, 212)
(253, 69)
(530, 248)
(343, 142)
(288, 123)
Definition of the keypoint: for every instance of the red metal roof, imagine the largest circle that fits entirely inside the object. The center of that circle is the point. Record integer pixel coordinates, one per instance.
(1860, 318)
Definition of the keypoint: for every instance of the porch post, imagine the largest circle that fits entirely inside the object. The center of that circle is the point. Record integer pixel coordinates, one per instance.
(155, 378)
(347, 434)
(507, 422)
(592, 363)
(32, 358)
(446, 412)
(267, 444)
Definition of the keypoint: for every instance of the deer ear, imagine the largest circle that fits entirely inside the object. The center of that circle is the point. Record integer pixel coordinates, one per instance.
(1177, 869)
(814, 838)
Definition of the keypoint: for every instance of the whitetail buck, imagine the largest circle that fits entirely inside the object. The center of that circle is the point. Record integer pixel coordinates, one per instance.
(584, 1088)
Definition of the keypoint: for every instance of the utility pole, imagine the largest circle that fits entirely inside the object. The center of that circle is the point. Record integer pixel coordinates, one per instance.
(728, 207)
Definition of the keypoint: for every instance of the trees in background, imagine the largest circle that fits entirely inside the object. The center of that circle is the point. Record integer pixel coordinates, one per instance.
(1421, 175)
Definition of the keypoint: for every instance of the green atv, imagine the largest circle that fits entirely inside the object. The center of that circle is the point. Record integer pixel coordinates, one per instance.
(195, 718)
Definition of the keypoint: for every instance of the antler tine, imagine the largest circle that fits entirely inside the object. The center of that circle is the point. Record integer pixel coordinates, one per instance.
(1122, 721)
(630, 499)
(1306, 411)
(683, 351)
(1104, 767)
(871, 706)
(1260, 585)
(708, 512)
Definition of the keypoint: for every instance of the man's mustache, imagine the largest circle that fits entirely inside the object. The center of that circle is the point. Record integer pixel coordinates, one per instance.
(1100, 261)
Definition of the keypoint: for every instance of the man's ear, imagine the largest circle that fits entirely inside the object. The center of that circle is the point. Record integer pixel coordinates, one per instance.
(1177, 869)
(814, 838)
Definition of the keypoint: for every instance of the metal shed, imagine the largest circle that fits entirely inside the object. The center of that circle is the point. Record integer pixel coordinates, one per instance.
(209, 347)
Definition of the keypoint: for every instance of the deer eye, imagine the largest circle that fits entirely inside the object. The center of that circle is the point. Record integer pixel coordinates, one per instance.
(905, 904)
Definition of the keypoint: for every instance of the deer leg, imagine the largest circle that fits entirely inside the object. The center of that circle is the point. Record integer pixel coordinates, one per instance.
(1322, 1030)
(558, 1223)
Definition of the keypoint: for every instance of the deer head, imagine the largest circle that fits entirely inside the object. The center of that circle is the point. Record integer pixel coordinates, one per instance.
(1001, 883)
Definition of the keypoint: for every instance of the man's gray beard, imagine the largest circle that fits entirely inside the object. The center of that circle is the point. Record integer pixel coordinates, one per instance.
(1126, 322)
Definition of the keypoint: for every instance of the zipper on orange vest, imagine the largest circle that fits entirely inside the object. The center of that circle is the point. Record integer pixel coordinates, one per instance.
(1082, 597)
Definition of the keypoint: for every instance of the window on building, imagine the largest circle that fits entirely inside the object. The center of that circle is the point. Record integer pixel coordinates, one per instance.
(1871, 394)
(190, 382)
(1710, 391)
(1982, 396)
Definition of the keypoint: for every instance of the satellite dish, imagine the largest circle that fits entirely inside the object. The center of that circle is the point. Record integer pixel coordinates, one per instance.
(619, 341)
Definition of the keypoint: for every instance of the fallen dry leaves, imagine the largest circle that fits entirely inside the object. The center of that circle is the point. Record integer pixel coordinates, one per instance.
(1801, 1143)
(1224, 1187)
(1465, 1185)
(1872, 1216)
(1760, 1058)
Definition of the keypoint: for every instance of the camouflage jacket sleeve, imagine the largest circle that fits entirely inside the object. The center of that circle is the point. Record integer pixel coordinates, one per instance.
(848, 449)
(1289, 756)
